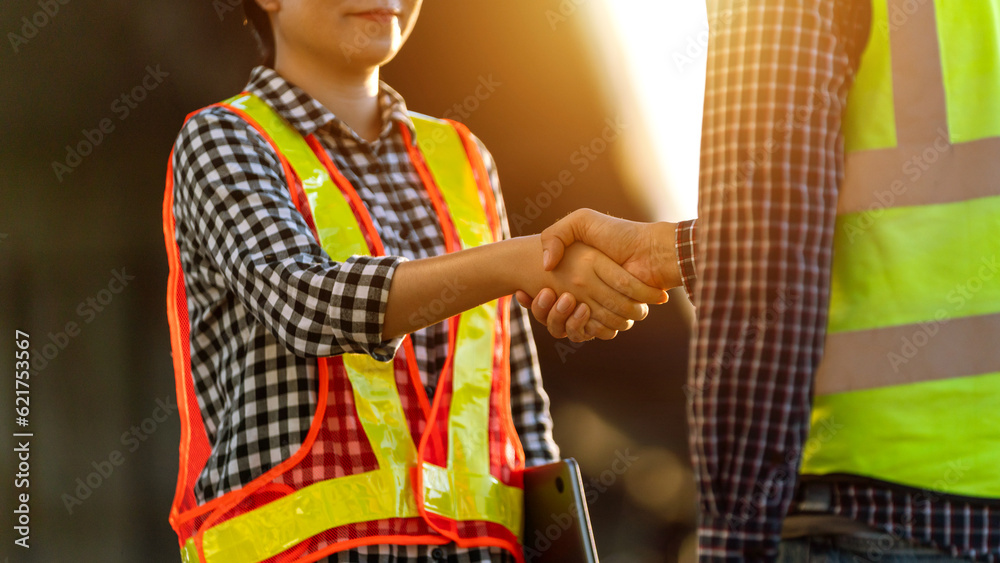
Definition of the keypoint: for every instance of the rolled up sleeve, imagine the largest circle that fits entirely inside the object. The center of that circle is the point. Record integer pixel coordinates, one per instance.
(241, 233)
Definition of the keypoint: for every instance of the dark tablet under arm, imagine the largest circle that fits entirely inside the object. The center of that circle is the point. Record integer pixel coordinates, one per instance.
(556, 521)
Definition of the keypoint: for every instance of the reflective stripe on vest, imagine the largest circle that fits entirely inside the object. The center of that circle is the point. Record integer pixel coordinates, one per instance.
(464, 490)
(909, 387)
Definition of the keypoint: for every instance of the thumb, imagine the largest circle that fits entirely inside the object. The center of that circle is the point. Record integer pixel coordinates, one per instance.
(561, 234)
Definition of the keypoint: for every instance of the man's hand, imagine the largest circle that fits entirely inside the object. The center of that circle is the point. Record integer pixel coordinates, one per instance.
(646, 250)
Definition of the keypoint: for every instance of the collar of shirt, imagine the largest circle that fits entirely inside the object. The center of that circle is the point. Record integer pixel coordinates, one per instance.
(307, 115)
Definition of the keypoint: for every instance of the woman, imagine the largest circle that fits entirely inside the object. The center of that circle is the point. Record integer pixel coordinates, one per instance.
(312, 223)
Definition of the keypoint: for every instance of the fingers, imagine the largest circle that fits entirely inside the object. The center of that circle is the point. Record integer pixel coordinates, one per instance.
(628, 285)
(523, 299)
(596, 329)
(614, 311)
(581, 328)
(565, 318)
(576, 325)
(542, 304)
(558, 316)
(608, 305)
(563, 233)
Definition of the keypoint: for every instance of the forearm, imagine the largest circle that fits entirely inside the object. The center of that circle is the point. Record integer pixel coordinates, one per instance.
(767, 203)
(425, 292)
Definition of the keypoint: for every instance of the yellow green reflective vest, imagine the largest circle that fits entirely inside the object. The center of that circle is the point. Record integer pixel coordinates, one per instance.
(908, 391)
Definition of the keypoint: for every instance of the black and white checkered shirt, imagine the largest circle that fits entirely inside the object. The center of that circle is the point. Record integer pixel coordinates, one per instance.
(265, 300)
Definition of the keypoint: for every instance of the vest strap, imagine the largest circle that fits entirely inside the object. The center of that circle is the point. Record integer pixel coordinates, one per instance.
(339, 232)
(870, 359)
(931, 173)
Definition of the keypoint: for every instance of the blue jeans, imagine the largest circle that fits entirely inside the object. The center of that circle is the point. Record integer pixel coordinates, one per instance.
(857, 548)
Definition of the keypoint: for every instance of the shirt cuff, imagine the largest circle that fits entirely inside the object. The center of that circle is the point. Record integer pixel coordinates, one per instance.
(685, 246)
(361, 293)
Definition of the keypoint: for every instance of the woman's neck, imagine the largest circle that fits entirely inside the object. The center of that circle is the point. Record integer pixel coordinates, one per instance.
(351, 96)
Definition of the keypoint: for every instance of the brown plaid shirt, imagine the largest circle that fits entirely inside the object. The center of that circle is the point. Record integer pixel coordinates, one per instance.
(759, 270)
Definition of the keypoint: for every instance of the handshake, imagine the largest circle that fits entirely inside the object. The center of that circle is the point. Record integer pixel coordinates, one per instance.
(599, 274)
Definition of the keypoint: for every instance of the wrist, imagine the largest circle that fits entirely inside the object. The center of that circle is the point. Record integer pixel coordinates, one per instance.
(664, 253)
(520, 264)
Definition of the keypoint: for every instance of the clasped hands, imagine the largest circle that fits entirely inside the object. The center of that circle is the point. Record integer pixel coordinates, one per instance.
(604, 272)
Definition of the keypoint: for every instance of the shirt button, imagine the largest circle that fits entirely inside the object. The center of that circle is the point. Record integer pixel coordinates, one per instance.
(438, 554)
(374, 168)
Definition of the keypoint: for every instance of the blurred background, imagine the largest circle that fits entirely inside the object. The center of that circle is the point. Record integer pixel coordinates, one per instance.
(583, 103)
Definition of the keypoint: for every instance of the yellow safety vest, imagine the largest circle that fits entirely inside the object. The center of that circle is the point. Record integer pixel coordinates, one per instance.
(445, 485)
(908, 391)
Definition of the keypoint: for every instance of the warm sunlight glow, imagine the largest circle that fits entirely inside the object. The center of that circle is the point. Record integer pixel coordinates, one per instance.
(653, 52)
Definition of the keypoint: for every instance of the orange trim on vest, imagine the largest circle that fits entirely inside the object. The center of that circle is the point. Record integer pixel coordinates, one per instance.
(357, 206)
(447, 227)
(481, 175)
(218, 504)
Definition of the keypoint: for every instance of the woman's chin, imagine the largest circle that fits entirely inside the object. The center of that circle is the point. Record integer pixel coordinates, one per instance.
(376, 52)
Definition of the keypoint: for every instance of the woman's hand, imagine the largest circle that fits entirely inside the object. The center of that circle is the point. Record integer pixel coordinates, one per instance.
(563, 316)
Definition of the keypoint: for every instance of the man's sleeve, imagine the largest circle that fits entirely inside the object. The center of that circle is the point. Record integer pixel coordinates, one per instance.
(771, 164)
(686, 245)
(240, 231)
(529, 403)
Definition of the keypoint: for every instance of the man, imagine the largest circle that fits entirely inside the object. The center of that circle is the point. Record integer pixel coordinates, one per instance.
(318, 233)
(899, 461)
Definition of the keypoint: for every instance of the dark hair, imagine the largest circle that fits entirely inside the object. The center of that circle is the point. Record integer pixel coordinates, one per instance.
(260, 25)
